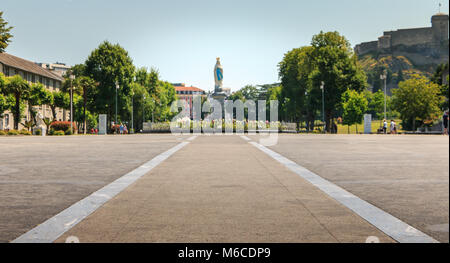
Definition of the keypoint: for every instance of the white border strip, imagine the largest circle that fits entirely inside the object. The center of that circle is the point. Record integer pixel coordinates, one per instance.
(390, 225)
(192, 138)
(54, 227)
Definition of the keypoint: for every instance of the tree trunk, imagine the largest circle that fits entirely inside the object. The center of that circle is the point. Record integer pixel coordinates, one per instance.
(348, 129)
(53, 112)
(16, 114)
(356, 128)
(327, 120)
(414, 123)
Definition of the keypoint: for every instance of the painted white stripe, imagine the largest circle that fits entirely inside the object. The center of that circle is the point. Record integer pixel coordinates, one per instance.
(390, 225)
(245, 138)
(192, 138)
(54, 227)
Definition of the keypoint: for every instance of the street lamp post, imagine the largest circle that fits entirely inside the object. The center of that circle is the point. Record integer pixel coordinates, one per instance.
(72, 77)
(143, 112)
(322, 86)
(384, 77)
(307, 112)
(132, 111)
(117, 88)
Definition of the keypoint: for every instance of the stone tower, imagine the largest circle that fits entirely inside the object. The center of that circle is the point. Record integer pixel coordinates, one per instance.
(439, 24)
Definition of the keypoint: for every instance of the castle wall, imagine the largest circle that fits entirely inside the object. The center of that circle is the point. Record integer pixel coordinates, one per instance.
(366, 47)
(409, 37)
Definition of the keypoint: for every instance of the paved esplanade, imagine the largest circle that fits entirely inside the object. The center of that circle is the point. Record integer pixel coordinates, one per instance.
(223, 188)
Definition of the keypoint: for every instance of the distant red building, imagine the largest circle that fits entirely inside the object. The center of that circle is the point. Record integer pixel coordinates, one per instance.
(187, 94)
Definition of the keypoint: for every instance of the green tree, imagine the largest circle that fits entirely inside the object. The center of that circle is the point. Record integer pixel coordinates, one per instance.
(59, 99)
(376, 103)
(5, 35)
(85, 86)
(438, 78)
(417, 99)
(37, 95)
(354, 105)
(336, 65)
(19, 89)
(107, 65)
(4, 101)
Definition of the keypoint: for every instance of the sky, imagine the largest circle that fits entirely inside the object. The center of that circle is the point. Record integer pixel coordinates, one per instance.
(183, 38)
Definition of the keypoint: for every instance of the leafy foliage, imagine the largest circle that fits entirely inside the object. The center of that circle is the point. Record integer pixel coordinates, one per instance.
(354, 105)
(417, 99)
(5, 35)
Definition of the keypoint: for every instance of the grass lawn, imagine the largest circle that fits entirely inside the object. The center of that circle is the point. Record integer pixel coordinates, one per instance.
(376, 124)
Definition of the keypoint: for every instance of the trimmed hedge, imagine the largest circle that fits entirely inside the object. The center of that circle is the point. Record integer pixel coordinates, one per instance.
(2, 132)
(59, 133)
(62, 126)
(13, 132)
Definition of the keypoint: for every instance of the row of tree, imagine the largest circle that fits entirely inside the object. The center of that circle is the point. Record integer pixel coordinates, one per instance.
(330, 60)
(109, 72)
(140, 92)
(93, 85)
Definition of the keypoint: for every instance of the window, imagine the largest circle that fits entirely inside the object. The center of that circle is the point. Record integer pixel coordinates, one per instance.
(40, 80)
(33, 78)
(6, 71)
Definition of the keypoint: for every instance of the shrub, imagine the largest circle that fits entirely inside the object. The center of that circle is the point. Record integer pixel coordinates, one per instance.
(58, 133)
(62, 126)
(2, 132)
(38, 132)
(25, 132)
(68, 132)
(13, 132)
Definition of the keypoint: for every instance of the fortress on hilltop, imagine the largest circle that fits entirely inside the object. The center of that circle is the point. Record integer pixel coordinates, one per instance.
(423, 46)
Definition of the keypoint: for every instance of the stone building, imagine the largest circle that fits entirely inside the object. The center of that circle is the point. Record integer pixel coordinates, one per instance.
(431, 43)
(11, 65)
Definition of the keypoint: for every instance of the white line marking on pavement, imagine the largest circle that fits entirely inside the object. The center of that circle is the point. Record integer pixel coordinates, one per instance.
(390, 225)
(192, 138)
(54, 227)
(245, 138)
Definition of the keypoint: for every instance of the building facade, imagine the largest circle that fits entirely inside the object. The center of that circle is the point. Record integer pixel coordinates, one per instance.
(57, 68)
(187, 94)
(33, 73)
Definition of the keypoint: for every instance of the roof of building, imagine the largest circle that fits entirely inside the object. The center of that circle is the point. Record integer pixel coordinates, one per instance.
(26, 65)
(183, 88)
(441, 14)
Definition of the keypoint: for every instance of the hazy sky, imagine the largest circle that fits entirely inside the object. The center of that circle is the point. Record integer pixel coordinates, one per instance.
(183, 38)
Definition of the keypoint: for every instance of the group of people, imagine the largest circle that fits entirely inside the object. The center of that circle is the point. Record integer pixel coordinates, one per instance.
(393, 127)
(123, 129)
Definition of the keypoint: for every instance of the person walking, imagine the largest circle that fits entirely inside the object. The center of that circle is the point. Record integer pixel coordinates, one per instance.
(392, 128)
(121, 128)
(384, 126)
(445, 122)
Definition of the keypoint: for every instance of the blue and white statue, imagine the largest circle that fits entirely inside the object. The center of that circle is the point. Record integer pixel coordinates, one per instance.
(218, 77)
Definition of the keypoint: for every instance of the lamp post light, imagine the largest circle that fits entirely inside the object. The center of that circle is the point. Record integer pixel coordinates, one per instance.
(117, 88)
(72, 78)
(132, 112)
(384, 77)
(322, 87)
(143, 112)
(307, 112)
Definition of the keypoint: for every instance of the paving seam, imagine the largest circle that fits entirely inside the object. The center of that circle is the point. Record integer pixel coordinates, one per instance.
(56, 226)
(385, 222)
